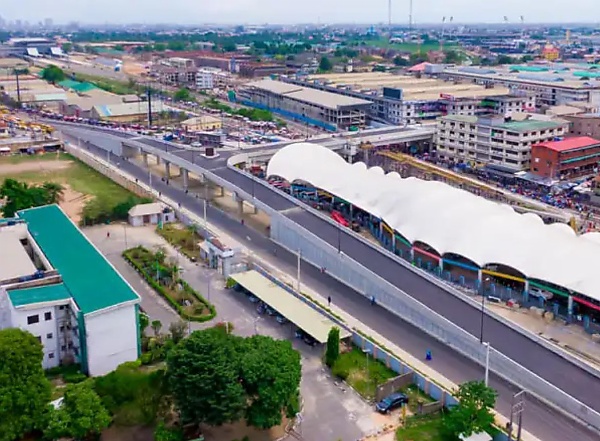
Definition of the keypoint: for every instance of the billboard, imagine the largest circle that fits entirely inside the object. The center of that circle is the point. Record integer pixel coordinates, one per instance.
(392, 93)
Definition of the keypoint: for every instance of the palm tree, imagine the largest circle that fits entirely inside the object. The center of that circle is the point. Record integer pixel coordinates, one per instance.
(192, 229)
(54, 192)
(156, 326)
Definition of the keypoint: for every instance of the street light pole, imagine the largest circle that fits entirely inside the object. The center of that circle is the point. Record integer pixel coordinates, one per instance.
(367, 352)
(339, 239)
(482, 316)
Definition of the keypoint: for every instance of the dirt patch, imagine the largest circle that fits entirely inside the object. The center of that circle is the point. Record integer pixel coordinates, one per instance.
(34, 166)
(239, 430)
(115, 433)
(73, 202)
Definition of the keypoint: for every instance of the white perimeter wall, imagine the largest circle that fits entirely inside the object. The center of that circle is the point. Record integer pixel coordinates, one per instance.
(111, 339)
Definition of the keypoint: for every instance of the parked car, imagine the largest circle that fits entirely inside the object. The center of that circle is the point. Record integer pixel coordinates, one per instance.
(253, 299)
(281, 320)
(305, 337)
(270, 310)
(391, 402)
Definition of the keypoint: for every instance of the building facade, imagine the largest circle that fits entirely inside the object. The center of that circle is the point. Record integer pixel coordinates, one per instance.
(70, 298)
(584, 125)
(328, 110)
(566, 159)
(493, 139)
(212, 78)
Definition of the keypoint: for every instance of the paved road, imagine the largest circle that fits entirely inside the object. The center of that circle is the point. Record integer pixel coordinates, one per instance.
(545, 423)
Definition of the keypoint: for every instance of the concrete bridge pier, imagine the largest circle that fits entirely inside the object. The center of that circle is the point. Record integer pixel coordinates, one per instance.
(167, 170)
(184, 175)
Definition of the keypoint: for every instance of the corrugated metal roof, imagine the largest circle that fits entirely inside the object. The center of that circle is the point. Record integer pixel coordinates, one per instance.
(39, 294)
(290, 307)
(91, 280)
(570, 143)
(49, 97)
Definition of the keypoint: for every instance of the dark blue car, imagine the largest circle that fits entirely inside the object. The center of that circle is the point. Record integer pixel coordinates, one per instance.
(391, 402)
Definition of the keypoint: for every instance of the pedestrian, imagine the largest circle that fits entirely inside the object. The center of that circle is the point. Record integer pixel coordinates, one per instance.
(372, 300)
(108, 234)
(328, 300)
(428, 355)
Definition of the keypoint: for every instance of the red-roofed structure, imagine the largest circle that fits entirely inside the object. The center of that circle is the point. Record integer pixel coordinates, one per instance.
(566, 159)
(419, 67)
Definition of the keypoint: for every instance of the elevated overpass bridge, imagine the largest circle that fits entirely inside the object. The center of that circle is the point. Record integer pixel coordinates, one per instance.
(549, 373)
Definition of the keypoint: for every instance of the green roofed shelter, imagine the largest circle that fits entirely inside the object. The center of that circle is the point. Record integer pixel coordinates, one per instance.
(39, 294)
(93, 283)
(77, 86)
(292, 308)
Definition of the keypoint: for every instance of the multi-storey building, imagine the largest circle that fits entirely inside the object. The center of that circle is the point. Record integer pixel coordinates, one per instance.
(566, 159)
(493, 139)
(69, 297)
(212, 78)
(405, 100)
(558, 87)
(331, 111)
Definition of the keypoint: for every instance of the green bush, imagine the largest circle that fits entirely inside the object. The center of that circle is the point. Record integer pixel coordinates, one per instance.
(146, 358)
(340, 370)
(74, 377)
(136, 255)
(230, 283)
(164, 433)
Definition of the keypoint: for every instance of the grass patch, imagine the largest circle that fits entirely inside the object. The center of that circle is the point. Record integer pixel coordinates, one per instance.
(113, 86)
(352, 367)
(422, 428)
(185, 239)
(411, 47)
(160, 276)
(77, 175)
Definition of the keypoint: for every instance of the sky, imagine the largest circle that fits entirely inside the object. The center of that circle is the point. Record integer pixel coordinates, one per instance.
(296, 11)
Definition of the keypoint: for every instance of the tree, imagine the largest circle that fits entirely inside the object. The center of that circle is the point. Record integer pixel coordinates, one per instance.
(20, 196)
(54, 192)
(453, 57)
(156, 325)
(81, 414)
(400, 61)
(53, 74)
(24, 390)
(67, 47)
(178, 331)
(182, 95)
(271, 373)
(229, 47)
(203, 374)
(325, 64)
(144, 322)
(504, 59)
(333, 346)
(473, 414)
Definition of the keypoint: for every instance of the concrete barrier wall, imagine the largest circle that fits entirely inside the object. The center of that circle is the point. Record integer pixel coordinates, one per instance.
(392, 385)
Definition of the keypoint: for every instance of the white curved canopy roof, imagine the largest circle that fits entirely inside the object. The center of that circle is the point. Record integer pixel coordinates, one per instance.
(450, 220)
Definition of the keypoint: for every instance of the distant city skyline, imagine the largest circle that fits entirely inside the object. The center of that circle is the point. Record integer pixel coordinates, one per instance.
(187, 12)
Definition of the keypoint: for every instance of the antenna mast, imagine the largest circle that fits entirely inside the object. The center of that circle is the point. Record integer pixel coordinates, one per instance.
(410, 15)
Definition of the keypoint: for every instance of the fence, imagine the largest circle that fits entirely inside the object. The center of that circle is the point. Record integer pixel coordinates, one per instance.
(322, 255)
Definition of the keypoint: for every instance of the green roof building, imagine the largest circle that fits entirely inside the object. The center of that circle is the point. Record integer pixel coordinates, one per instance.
(59, 287)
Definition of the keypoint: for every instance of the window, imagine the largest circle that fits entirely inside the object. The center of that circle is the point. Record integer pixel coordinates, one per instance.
(33, 319)
(49, 336)
(47, 316)
(39, 337)
(63, 348)
(51, 355)
(61, 307)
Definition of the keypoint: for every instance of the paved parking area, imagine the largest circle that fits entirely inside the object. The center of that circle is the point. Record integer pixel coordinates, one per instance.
(331, 412)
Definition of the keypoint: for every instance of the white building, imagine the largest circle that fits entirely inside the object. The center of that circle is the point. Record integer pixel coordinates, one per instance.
(493, 139)
(56, 285)
(150, 214)
(212, 78)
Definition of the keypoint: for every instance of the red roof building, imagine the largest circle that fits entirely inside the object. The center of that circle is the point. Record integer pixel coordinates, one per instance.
(566, 159)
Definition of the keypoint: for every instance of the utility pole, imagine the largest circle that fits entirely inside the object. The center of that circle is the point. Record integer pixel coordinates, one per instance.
(517, 407)
(410, 16)
(149, 94)
(390, 14)
(18, 87)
